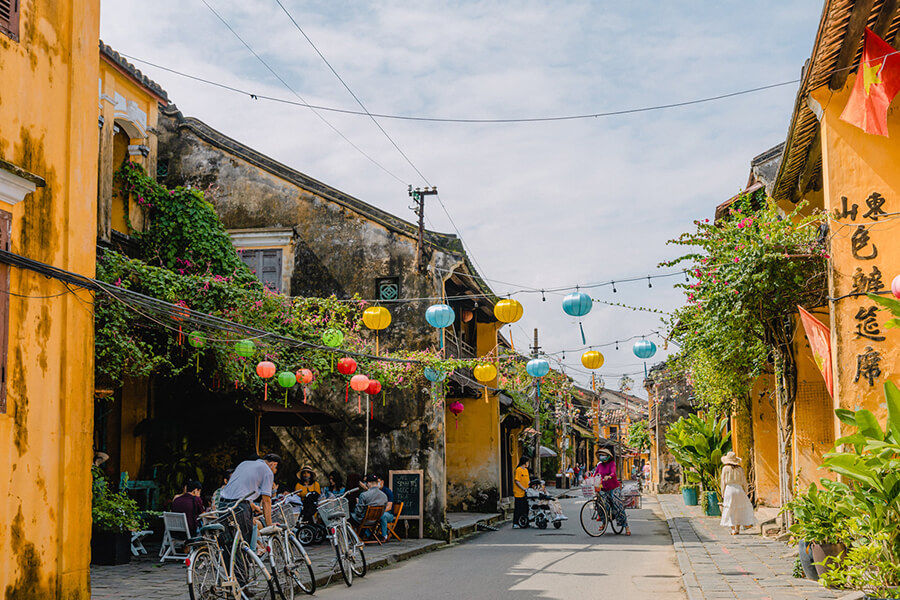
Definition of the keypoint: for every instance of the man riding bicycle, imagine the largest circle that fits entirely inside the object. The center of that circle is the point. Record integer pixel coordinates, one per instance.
(251, 477)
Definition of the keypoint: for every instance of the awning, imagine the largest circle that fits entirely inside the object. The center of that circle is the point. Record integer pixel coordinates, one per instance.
(583, 432)
(547, 452)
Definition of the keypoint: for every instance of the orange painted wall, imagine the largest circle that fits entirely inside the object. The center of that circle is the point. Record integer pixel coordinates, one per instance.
(48, 126)
(765, 441)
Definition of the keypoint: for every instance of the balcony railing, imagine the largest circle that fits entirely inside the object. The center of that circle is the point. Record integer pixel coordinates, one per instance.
(457, 348)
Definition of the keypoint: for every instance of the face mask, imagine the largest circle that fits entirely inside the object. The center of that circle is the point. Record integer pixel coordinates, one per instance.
(604, 459)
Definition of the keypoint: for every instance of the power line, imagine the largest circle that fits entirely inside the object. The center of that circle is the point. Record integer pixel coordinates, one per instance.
(289, 87)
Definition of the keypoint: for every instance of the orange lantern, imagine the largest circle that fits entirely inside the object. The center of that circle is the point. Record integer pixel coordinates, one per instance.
(266, 370)
(359, 383)
(304, 378)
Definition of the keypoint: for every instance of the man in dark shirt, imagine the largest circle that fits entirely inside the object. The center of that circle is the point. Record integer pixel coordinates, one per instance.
(388, 515)
(190, 504)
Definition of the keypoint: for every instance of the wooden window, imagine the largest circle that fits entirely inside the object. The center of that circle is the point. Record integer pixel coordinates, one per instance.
(266, 265)
(9, 18)
(5, 230)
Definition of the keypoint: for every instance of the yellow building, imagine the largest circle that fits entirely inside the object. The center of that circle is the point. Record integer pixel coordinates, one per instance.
(48, 182)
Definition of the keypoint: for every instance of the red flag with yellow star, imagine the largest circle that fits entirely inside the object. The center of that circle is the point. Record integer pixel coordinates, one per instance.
(877, 82)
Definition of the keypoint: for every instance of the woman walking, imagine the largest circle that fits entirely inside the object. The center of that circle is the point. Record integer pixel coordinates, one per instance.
(737, 511)
(610, 487)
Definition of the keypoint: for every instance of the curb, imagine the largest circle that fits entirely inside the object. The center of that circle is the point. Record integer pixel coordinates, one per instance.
(326, 579)
(688, 578)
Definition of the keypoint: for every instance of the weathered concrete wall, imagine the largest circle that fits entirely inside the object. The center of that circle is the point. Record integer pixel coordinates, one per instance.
(48, 127)
(340, 246)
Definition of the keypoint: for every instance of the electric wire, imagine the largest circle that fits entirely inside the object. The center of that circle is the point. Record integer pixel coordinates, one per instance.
(293, 91)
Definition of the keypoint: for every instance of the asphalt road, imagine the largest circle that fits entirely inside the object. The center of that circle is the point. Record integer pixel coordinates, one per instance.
(532, 563)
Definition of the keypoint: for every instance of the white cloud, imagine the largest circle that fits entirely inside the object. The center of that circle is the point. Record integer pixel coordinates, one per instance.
(540, 205)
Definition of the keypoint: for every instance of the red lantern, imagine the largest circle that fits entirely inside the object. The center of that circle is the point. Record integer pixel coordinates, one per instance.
(456, 408)
(359, 383)
(265, 369)
(346, 366)
(304, 378)
(374, 387)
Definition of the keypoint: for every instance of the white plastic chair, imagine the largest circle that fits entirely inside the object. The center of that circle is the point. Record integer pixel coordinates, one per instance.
(177, 533)
(137, 542)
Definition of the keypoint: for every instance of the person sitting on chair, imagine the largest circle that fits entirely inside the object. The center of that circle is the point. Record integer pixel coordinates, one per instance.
(372, 496)
(190, 504)
(387, 516)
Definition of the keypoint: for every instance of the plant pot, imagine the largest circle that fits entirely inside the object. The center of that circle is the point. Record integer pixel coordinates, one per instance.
(806, 560)
(712, 505)
(689, 495)
(108, 548)
(826, 554)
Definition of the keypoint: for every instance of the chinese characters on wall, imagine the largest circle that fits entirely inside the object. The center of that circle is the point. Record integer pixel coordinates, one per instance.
(867, 278)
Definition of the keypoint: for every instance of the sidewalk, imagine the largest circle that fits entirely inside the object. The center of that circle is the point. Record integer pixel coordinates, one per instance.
(718, 565)
(144, 578)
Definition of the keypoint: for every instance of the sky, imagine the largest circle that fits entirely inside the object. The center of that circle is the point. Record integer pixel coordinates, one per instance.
(538, 205)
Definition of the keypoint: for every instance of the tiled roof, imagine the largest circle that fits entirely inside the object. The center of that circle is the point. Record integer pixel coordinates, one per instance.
(133, 71)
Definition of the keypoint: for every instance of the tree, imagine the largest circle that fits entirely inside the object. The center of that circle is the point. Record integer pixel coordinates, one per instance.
(751, 269)
(638, 436)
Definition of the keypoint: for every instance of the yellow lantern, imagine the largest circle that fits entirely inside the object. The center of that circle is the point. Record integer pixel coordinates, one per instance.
(592, 359)
(484, 373)
(508, 311)
(377, 318)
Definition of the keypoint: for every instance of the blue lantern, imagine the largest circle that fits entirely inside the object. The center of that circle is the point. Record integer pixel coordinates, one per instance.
(644, 349)
(434, 375)
(537, 367)
(440, 316)
(578, 304)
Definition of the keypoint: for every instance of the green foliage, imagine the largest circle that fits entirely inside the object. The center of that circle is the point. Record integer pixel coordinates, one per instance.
(820, 514)
(638, 436)
(871, 465)
(698, 443)
(750, 270)
(113, 511)
(798, 572)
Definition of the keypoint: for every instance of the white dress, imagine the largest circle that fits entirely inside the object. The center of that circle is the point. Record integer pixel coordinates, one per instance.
(737, 511)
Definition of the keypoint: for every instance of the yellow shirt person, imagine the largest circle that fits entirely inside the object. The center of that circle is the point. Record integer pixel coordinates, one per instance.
(522, 477)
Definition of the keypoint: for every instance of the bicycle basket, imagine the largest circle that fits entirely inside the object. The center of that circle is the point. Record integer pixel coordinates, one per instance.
(283, 515)
(333, 509)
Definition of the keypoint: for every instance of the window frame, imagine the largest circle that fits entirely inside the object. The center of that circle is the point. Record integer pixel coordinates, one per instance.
(11, 27)
(5, 238)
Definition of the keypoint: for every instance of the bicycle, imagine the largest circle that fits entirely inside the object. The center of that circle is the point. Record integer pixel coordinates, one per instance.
(244, 577)
(597, 513)
(348, 548)
(288, 560)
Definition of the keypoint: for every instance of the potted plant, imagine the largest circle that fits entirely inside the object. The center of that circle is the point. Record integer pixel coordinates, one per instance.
(698, 443)
(711, 504)
(689, 494)
(820, 523)
(114, 516)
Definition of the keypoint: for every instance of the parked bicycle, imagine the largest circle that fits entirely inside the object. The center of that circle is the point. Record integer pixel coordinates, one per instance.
(243, 576)
(598, 513)
(348, 548)
(289, 563)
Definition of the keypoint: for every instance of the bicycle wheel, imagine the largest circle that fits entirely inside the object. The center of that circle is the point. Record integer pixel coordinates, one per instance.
(614, 515)
(593, 518)
(357, 554)
(202, 576)
(301, 568)
(306, 534)
(279, 559)
(343, 555)
(253, 577)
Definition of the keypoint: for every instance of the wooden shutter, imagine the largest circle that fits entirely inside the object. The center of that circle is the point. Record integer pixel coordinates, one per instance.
(270, 271)
(9, 18)
(5, 231)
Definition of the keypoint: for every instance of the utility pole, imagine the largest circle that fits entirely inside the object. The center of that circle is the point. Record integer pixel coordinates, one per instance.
(535, 349)
(418, 196)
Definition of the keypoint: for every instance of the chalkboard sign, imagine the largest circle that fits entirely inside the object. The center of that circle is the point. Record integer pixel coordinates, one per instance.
(407, 488)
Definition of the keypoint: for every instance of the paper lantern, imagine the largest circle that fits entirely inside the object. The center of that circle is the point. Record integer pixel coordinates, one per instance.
(592, 359)
(577, 304)
(359, 383)
(456, 408)
(440, 316)
(304, 376)
(466, 316)
(286, 379)
(508, 311)
(537, 367)
(196, 339)
(374, 387)
(265, 369)
(245, 348)
(346, 366)
(485, 372)
(644, 349)
(376, 317)
(895, 286)
(434, 375)
(332, 338)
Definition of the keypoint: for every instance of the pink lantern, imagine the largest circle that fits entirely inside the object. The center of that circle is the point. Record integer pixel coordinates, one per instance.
(456, 408)
(359, 383)
(265, 369)
(895, 286)
(304, 378)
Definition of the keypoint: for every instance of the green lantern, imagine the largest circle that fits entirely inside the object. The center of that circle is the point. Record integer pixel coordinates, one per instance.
(245, 348)
(286, 379)
(197, 339)
(332, 338)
